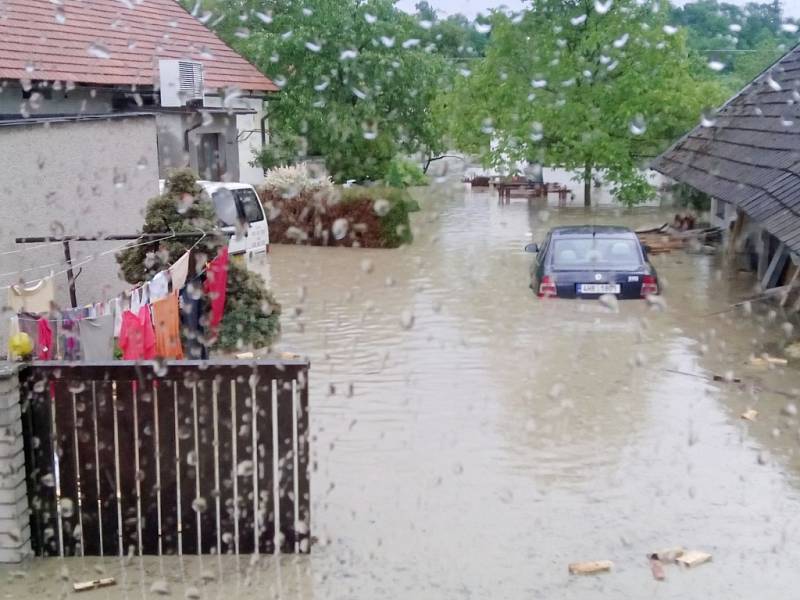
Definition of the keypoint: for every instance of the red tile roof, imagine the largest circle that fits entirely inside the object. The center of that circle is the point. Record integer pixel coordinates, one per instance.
(113, 42)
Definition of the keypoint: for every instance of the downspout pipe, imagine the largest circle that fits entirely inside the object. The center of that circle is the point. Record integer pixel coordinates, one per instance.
(189, 130)
(264, 137)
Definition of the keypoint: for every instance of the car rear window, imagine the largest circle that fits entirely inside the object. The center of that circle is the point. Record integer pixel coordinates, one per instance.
(595, 252)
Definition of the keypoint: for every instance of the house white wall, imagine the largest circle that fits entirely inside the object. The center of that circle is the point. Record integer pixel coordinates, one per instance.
(240, 134)
(88, 177)
(248, 127)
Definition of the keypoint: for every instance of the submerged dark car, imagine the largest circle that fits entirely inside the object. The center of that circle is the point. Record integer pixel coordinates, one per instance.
(589, 261)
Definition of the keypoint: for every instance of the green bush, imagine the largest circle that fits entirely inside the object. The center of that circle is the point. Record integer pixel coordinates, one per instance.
(404, 173)
(394, 220)
(252, 316)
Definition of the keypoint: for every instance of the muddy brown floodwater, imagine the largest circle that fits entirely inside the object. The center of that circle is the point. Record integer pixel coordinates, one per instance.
(470, 440)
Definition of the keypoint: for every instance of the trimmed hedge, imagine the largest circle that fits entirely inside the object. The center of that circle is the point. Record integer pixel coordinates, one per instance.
(367, 217)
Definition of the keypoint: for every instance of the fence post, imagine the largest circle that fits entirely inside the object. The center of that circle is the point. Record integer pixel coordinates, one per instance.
(15, 531)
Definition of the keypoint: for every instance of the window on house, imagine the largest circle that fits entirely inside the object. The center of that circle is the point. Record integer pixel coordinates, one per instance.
(210, 159)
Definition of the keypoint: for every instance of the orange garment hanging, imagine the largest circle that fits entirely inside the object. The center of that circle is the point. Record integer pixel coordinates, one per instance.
(167, 325)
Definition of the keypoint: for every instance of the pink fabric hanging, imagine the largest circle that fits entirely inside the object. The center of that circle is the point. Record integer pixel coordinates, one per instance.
(216, 285)
(137, 340)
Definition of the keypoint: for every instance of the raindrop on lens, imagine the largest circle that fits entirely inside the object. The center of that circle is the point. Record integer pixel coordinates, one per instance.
(381, 206)
(67, 508)
(264, 17)
(199, 505)
(406, 319)
(638, 125)
(339, 228)
(98, 51)
(603, 7)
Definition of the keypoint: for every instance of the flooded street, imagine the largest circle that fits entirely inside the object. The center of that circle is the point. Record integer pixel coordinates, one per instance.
(471, 440)
(477, 451)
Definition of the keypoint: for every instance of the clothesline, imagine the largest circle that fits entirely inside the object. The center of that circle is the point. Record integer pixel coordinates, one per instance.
(131, 291)
(27, 249)
(150, 325)
(73, 264)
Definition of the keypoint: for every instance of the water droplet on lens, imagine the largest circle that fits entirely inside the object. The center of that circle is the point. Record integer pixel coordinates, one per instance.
(339, 228)
(264, 17)
(603, 7)
(638, 125)
(406, 319)
(381, 206)
(160, 587)
(98, 51)
(199, 505)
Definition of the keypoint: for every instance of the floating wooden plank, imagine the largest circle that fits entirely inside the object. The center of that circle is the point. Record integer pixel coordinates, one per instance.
(749, 415)
(85, 586)
(590, 567)
(693, 558)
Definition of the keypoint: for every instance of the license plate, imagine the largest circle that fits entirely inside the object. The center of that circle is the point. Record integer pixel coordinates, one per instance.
(598, 288)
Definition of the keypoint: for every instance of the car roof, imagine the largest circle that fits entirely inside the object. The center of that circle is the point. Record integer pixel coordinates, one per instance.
(213, 186)
(592, 230)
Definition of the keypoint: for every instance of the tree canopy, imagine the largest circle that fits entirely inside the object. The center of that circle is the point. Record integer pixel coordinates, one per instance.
(357, 79)
(740, 40)
(583, 86)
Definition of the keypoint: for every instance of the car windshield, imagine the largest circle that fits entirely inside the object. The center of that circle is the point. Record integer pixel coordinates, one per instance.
(595, 252)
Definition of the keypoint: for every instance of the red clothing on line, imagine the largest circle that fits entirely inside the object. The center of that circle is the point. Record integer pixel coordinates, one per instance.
(136, 337)
(45, 342)
(216, 284)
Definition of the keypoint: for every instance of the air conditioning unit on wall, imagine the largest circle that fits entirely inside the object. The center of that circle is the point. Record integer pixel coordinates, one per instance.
(181, 82)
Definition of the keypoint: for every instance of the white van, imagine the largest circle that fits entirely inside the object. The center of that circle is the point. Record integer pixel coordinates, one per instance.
(238, 204)
(240, 213)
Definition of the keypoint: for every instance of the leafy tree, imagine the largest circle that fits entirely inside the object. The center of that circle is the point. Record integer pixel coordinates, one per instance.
(742, 40)
(357, 79)
(252, 315)
(582, 85)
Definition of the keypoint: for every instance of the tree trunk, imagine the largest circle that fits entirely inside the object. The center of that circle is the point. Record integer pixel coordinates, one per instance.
(587, 185)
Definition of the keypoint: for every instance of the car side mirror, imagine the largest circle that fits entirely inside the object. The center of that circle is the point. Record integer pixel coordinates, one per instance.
(645, 250)
(533, 247)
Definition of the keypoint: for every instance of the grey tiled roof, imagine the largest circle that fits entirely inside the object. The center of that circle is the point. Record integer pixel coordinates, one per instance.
(749, 154)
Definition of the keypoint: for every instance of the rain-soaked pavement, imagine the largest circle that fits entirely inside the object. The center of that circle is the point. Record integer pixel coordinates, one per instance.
(471, 440)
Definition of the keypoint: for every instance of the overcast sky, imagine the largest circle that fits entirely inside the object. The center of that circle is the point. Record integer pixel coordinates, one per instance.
(470, 8)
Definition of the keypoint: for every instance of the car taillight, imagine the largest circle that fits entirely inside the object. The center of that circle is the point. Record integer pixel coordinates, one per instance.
(649, 286)
(547, 287)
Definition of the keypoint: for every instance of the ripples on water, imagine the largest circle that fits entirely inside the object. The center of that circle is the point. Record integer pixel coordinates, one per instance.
(502, 437)
(478, 451)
